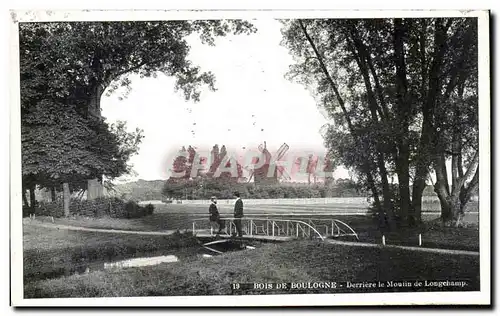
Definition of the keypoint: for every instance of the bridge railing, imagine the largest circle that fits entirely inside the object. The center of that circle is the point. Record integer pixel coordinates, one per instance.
(332, 227)
(279, 227)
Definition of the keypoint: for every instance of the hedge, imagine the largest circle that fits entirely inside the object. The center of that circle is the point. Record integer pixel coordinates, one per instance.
(112, 207)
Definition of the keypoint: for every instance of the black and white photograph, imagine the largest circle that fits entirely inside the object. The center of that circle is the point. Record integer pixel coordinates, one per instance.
(250, 158)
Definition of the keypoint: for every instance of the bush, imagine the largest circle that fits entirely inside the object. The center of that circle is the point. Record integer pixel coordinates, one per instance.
(134, 210)
(91, 208)
(112, 207)
(149, 209)
(116, 208)
(27, 211)
(54, 209)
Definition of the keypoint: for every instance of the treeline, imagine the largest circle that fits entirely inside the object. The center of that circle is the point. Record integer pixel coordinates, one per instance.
(140, 190)
(182, 167)
(145, 190)
(196, 189)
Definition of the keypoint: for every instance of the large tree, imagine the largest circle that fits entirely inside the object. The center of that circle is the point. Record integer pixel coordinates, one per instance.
(74, 63)
(79, 61)
(386, 84)
(62, 148)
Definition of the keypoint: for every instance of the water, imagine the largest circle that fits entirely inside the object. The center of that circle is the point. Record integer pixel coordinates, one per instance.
(83, 266)
(140, 262)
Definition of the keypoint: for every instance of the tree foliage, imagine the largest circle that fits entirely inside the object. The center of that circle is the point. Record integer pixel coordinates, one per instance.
(79, 61)
(66, 67)
(59, 145)
(392, 88)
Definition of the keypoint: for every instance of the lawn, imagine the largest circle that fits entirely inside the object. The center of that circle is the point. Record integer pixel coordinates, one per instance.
(299, 261)
(173, 217)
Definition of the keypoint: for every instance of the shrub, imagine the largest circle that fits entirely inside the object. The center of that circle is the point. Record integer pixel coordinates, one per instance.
(149, 209)
(92, 208)
(54, 209)
(116, 208)
(134, 210)
(27, 211)
(112, 207)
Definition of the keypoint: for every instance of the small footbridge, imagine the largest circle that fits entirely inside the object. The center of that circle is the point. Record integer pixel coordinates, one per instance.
(277, 229)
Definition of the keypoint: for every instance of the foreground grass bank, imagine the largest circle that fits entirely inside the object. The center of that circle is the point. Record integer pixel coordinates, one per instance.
(52, 252)
(301, 261)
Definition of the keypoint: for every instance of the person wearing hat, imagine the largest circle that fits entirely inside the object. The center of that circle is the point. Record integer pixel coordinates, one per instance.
(238, 213)
(215, 221)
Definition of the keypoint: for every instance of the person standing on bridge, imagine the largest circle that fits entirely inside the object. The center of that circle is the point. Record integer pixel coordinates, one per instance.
(238, 213)
(215, 221)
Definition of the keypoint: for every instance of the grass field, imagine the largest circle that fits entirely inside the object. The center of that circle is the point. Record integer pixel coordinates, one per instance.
(52, 252)
(301, 261)
(55, 260)
(181, 216)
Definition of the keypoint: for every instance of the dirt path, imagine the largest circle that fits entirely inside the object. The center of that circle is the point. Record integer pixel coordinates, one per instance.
(422, 249)
(102, 230)
(337, 242)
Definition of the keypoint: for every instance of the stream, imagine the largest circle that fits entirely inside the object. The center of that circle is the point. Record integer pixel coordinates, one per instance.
(135, 260)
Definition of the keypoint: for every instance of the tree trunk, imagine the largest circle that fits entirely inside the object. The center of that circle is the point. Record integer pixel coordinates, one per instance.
(446, 212)
(53, 194)
(373, 188)
(359, 51)
(25, 200)
(94, 109)
(403, 112)
(456, 210)
(32, 197)
(407, 212)
(422, 167)
(452, 210)
(426, 144)
(442, 188)
(386, 190)
(416, 202)
(66, 198)
(95, 90)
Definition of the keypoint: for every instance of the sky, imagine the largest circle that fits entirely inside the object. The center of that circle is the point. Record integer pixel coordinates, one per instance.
(253, 103)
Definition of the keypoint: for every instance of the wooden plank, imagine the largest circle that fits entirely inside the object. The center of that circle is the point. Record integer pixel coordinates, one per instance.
(211, 249)
(253, 237)
(215, 242)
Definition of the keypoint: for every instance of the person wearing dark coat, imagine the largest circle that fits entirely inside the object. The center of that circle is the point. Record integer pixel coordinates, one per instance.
(238, 213)
(215, 222)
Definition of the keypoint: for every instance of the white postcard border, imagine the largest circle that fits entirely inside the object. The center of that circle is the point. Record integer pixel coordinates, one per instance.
(428, 298)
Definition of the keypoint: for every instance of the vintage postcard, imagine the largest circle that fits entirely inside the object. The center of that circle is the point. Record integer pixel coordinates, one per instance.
(250, 158)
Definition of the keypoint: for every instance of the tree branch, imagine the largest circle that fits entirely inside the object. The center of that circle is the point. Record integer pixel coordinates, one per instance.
(359, 52)
(472, 187)
(370, 180)
(441, 185)
(328, 76)
(471, 168)
(112, 76)
(423, 60)
(460, 162)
